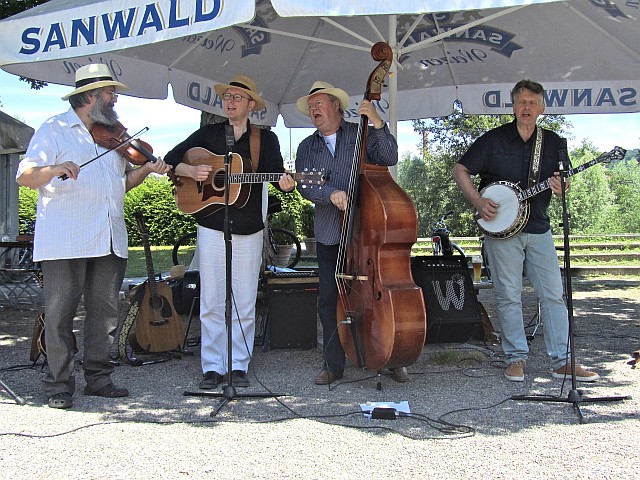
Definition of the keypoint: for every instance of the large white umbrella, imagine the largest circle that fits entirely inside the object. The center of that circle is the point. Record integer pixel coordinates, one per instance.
(585, 52)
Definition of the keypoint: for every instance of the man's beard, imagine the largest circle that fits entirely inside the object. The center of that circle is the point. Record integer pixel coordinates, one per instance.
(103, 112)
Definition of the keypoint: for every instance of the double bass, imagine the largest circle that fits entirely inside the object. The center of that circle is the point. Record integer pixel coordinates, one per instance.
(381, 312)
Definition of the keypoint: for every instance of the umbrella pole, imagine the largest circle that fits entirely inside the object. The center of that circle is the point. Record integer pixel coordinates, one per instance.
(574, 396)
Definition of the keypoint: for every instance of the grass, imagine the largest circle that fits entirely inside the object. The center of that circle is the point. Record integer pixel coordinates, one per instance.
(137, 265)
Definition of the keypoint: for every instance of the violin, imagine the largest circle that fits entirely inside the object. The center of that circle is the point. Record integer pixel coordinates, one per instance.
(115, 137)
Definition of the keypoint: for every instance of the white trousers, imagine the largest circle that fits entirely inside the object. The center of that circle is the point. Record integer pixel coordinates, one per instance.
(245, 272)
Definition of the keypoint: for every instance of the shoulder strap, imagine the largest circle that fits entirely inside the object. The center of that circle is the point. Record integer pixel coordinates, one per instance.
(254, 146)
(534, 164)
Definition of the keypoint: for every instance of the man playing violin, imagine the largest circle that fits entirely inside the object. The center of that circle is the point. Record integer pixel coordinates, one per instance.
(507, 153)
(240, 97)
(331, 148)
(80, 235)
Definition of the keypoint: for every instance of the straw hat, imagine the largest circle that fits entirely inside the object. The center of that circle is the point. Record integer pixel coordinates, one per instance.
(323, 87)
(245, 84)
(95, 75)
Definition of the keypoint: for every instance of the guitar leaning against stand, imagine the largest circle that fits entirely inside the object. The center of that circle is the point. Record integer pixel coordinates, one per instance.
(159, 328)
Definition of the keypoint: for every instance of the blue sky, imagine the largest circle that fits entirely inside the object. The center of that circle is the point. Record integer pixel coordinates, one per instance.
(169, 123)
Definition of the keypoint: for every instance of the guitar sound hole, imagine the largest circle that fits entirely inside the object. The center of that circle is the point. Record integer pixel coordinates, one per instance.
(218, 180)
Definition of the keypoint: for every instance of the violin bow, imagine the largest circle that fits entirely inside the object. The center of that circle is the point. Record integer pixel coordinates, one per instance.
(64, 176)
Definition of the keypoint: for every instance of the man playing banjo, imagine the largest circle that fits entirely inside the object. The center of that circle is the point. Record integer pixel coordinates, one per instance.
(521, 153)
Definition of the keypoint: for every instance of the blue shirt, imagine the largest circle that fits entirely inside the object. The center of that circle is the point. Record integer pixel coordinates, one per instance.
(313, 153)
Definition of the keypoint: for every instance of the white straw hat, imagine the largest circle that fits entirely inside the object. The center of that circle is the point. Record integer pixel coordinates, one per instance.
(244, 83)
(95, 75)
(323, 87)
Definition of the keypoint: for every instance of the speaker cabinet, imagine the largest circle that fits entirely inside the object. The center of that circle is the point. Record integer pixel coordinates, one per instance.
(292, 313)
(453, 313)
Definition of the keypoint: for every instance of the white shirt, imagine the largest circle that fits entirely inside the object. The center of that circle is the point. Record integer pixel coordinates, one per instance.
(77, 218)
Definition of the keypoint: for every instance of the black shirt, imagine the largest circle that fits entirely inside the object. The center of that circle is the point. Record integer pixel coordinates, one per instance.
(501, 154)
(248, 219)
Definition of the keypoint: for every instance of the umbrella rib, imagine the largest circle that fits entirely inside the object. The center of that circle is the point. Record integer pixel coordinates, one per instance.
(306, 37)
(462, 28)
(604, 32)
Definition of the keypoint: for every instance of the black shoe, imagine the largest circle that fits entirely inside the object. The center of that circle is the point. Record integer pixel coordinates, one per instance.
(108, 391)
(210, 380)
(239, 378)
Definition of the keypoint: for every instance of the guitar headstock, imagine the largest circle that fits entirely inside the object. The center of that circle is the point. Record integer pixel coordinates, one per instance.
(617, 153)
(312, 177)
(141, 224)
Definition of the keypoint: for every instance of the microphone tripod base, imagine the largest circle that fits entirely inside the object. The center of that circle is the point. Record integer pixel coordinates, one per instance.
(574, 396)
(229, 393)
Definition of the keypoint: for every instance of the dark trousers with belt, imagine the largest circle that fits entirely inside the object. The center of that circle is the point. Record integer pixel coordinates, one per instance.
(99, 279)
(327, 302)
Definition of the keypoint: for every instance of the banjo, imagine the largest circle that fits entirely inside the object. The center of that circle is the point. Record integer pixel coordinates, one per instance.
(513, 207)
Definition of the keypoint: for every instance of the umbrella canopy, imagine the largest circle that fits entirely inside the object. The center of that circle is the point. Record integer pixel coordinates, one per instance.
(585, 52)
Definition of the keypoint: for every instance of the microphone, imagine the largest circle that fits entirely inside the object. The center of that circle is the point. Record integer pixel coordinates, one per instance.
(229, 135)
(563, 157)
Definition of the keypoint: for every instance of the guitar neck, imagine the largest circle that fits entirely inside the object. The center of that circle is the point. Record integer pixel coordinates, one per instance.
(257, 177)
(151, 275)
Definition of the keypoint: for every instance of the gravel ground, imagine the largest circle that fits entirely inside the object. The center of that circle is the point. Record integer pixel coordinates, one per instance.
(464, 422)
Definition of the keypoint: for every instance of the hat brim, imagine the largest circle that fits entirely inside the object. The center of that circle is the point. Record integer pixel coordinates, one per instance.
(220, 88)
(120, 87)
(303, 102)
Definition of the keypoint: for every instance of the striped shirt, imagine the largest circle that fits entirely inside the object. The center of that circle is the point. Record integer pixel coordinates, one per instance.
(313, 153)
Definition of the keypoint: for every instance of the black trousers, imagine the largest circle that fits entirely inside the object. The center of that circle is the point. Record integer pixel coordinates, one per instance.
(327, 303)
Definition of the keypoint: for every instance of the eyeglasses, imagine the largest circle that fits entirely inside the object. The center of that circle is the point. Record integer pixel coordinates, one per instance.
(236, 97)
(317, 104)
(114, 95)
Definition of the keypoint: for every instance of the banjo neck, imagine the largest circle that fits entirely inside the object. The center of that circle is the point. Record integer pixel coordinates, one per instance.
(616, 154)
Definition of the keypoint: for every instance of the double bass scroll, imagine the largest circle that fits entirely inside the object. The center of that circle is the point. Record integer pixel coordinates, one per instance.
(381, 311)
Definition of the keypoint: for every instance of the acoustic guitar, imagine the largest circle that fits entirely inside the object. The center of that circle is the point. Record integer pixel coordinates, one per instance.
(204, 198)
(158, 327)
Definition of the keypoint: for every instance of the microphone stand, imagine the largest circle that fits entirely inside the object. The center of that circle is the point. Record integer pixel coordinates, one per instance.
(574, 396)
(229, 391)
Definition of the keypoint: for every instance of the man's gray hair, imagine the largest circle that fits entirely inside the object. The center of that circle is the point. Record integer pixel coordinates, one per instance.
(530, 85)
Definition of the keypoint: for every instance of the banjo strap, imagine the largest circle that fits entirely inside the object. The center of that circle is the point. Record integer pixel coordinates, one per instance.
(534, 164)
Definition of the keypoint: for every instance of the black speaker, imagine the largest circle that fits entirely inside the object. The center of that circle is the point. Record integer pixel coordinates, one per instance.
(292, 318)
(453, 314)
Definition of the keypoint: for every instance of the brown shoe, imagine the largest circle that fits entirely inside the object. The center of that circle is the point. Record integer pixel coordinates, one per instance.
(515, 371)
(400, 374)
(325, 377)
(582, 375)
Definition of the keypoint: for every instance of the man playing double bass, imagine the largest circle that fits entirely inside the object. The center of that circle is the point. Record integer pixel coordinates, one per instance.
(331, 148)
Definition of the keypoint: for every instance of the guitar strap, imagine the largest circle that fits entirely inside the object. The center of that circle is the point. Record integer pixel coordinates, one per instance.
(534, 164)
(254, 146)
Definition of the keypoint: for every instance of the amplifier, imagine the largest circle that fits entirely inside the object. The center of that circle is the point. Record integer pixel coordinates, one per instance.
(453, 313)
(292, 312)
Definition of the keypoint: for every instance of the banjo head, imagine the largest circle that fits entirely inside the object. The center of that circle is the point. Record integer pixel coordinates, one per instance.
(512, 214)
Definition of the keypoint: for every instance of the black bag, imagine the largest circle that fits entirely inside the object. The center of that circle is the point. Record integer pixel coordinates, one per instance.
(185, 290)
